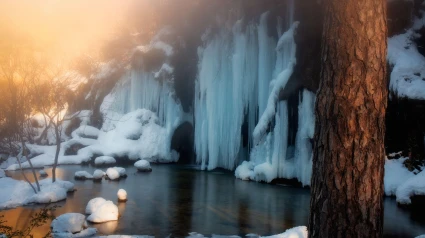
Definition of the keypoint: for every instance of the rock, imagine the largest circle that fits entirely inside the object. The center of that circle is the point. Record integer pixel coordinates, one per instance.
(82, 175)
(143, 166)
(122, 195)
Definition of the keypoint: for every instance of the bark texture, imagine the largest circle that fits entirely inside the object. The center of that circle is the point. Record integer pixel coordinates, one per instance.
(348, 162)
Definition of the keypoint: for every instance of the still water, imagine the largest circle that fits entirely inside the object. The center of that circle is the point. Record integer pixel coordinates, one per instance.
(176, 200)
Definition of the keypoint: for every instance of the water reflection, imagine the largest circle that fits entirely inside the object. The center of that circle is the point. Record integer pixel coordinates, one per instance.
(176, 200)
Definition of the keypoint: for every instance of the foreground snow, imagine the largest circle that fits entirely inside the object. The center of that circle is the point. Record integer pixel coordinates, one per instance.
(296, 232)
(16, 193)
(71, 225)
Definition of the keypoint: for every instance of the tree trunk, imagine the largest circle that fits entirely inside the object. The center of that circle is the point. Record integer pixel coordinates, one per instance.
(348, 161)
(30, 163)
(58, 148)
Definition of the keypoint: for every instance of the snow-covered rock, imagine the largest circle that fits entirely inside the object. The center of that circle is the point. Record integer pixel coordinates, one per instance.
(16, 193)
(143, 166)
(104, 160)
(121, 171)
(94, 204)
(98, 174)
(71, 225)
(107, 211)
(122, 195)
(68, 223)
(112, 174)
(395, 175)
(86, 132)
(413, 186)
(82, 175)
(42, 173)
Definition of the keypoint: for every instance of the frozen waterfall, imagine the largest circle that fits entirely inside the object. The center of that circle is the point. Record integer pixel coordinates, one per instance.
(240, 75)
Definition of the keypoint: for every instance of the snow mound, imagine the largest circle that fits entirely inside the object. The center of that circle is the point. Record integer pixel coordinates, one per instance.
(68, 223)
(18, 193)
(94, 204)
(107, 211)
(42, 173)
(112, 174)
(395, 175)
(296, 232)
(143, 166)
(122, 195)
(102, 160)
(82, 175)
(85, 132)
(413, 186)
(245, 171)
(98, 174)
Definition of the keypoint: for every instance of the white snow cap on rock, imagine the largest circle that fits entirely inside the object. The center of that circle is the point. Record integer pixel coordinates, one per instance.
(143, 165)
(122, 195)
(93, 204)
(41, 172)
(115, 173)
(413, 186)
(68, 223)
(83, 175)
(101, 160)
(98, 174)
(106, 211)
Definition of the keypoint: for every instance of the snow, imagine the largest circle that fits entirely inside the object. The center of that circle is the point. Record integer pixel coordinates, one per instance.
(2, 174)
(121, 171)
(122, 195)
(106, 211)
(395, 175)
(18, 193)
(94, 204)
(101, 160)
(98, 174)
(407, 78)
(112, 174)
(85, 131)
(296, 232)
(143, 166)
(83, 175)
(68, 223)
(245, 171)
(413, 186)
(42, 173)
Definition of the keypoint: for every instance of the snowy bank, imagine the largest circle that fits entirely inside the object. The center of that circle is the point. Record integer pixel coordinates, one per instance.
(18, 193)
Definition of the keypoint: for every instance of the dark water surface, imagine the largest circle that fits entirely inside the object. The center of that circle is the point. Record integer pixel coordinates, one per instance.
(175, 200)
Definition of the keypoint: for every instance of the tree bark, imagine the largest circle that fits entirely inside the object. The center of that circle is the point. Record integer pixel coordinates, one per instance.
(30, 163)
(58, 148)
(348, 161)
